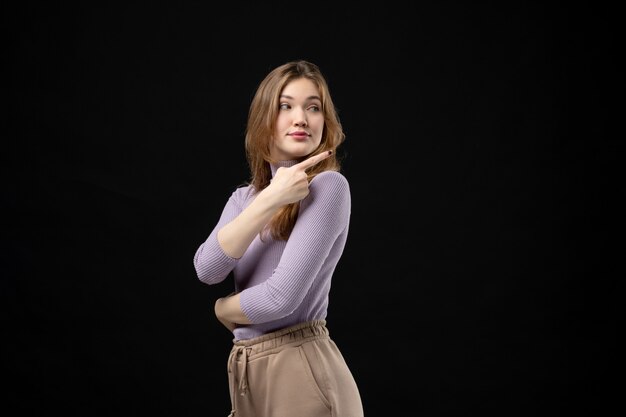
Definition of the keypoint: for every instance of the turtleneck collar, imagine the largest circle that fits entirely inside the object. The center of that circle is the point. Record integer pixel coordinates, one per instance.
(279, 164)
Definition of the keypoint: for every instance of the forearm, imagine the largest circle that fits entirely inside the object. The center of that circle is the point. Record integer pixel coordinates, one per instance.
(236, 236)
(228, 309)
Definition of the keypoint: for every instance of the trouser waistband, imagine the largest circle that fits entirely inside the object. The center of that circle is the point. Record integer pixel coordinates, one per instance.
(243, 350)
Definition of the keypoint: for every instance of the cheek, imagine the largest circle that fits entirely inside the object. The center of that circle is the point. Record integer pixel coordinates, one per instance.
(319, 127)
(279, 124)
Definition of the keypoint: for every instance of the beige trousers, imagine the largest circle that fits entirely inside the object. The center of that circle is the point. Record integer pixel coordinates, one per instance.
(293, 372)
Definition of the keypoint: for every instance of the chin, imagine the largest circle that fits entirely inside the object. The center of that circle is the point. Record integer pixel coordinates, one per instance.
(294, 150)
(299, 153)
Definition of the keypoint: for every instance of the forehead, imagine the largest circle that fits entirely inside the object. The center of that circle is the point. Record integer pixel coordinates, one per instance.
(301, 89)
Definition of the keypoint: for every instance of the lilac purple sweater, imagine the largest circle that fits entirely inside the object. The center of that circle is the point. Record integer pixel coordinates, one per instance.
(282, 283)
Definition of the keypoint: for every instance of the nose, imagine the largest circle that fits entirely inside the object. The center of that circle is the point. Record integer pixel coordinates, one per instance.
(299, 117)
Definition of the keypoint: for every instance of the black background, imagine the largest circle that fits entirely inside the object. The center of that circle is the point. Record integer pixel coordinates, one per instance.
(478, 276)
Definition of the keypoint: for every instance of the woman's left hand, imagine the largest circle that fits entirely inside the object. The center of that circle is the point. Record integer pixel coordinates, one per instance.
(220, 309)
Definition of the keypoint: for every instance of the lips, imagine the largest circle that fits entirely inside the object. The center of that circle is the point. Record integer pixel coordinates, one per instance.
(299, 134)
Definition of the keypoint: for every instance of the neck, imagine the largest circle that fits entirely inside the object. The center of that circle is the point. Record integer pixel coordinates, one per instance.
(279, 164)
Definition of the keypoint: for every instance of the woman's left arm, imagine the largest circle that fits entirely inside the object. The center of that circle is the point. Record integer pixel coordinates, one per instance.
(323, 219)
(324, 216)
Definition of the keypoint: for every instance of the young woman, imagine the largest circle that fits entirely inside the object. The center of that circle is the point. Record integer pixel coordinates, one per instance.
(281, 236)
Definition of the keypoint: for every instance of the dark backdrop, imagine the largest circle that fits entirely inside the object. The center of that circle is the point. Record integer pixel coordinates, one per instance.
(477, 277)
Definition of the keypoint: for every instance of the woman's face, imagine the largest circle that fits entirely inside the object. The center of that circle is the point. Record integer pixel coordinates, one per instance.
(300, 122)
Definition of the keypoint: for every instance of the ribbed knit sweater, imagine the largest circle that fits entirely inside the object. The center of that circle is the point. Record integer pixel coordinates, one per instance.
(282, 283)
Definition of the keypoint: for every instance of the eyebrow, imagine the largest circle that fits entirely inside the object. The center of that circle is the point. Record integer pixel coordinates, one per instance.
(309, 98)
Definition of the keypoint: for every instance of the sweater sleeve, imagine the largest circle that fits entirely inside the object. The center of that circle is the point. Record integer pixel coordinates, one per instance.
(212, 264)
(324, 215)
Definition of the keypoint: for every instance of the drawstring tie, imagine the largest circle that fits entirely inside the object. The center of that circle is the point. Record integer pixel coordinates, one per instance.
(243, 380)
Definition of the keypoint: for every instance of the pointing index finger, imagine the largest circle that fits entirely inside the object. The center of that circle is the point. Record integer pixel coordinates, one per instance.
(309, 162)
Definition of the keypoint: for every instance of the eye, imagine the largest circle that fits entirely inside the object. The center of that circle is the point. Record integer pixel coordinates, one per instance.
(284, 106)
(314, 108)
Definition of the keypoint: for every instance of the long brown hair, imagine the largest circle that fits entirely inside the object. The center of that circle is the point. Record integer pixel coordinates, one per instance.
(260, 130)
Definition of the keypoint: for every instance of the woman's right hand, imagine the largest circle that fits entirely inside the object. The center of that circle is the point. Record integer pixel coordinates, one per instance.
(291, 184)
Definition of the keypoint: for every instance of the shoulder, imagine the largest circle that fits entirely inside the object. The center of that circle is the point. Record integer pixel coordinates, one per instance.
(329, 195)
(330, 178)
(330, 182)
